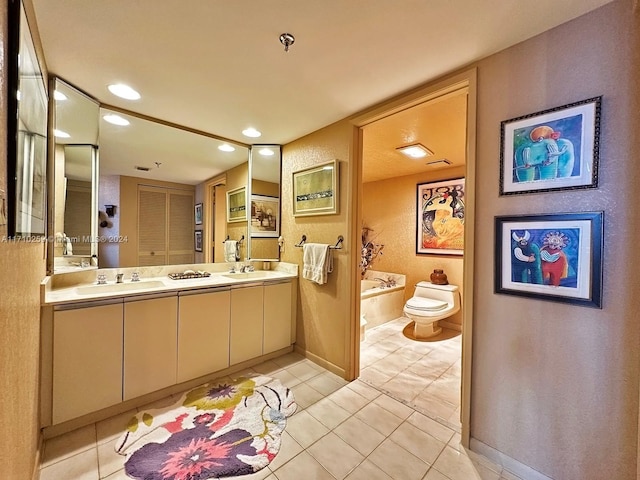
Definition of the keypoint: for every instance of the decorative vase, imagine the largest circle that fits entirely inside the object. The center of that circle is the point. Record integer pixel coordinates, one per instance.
(438, 277)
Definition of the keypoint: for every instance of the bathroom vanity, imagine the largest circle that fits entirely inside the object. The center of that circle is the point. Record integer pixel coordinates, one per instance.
(109, 348)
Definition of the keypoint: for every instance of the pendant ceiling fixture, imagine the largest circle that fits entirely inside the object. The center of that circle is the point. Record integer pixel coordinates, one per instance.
(287, 40)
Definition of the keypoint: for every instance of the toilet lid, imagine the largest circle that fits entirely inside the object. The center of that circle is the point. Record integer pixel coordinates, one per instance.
(426, 304)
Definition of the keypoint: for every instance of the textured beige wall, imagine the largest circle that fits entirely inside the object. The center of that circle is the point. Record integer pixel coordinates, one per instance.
(555, 386)
(109, 194)
(323, 310)
(22, 267)
(236, 177)
(389, 207)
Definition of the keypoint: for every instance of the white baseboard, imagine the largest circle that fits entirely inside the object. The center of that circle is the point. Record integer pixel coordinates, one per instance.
(511, 464)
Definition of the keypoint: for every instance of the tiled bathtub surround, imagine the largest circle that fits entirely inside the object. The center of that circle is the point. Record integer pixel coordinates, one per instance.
(340, 431)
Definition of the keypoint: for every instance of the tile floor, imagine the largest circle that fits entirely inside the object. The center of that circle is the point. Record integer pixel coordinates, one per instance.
(423, 375)
(340, 431)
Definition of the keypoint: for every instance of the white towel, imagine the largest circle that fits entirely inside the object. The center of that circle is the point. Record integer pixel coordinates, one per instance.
(317, 262)
(231, 253)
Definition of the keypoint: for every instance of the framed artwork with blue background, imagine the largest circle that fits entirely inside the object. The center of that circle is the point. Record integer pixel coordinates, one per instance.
(556, 149)
(556, 257)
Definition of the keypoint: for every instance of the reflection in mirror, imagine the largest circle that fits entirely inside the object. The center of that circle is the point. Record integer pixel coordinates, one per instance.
(75, 165)
(154, 173)
(264, 198)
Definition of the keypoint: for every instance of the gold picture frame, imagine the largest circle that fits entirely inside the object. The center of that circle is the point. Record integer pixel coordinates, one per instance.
(237, 205)
(315, 190)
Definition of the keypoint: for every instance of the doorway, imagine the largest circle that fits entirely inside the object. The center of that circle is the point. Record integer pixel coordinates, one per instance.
(464, 85)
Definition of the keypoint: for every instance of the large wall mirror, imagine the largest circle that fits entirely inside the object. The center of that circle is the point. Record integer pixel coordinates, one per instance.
(145, 187)
(264, 201)
(75, 169)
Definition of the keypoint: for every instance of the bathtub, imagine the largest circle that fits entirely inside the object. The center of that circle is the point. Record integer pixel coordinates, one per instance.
(380, 305)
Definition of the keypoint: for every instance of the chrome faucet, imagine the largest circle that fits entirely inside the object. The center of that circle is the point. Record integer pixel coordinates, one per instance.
(389, 282)
(119, 277)
(101, 279)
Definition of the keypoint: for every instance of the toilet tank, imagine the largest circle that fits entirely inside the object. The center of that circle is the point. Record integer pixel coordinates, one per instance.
(445, 293)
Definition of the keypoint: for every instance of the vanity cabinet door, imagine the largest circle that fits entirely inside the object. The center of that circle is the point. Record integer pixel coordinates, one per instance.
(246, 323)
(87, 360)
(150, 345)
(277, 317)
(203, 334)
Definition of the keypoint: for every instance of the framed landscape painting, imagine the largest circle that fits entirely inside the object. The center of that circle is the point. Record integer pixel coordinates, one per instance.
(555, 257)
(556, 149)
(315, 190)
(237, 205)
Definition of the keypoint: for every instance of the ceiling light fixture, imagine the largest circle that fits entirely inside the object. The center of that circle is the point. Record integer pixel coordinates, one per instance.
(124, 91)
(60, 134)
(287, 40)
(251, 132)
(116, 120)
(59, 96)
(417, 150)
(225, 147)
(266, 152)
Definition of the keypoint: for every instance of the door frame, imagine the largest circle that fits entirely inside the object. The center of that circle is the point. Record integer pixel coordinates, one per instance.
(463, 80)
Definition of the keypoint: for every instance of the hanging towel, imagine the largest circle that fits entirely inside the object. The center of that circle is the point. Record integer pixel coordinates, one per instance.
(231, 253)
(317, 262)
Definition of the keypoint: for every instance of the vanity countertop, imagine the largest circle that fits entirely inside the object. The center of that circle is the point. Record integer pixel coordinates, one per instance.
(64, 289)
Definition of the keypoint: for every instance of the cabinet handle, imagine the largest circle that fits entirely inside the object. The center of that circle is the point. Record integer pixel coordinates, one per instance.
(153, 253)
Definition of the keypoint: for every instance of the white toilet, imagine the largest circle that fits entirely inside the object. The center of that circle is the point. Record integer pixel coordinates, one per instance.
(430, 303)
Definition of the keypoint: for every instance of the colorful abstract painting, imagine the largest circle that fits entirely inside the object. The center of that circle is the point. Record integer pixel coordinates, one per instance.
(440, 217)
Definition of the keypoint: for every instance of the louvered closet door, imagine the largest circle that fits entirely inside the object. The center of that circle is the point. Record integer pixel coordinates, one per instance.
(152, 226)
(180, 227)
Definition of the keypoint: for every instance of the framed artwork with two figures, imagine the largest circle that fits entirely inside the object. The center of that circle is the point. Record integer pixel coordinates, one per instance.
(555, 149)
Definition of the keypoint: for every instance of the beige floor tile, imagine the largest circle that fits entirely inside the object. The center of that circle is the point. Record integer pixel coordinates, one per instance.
(288, 359)
(363, 389)
(326, 383)
(305, 395)
(83, 466)
(433, 428)
(394, 406)
(259, 475)
(336, 456)
(457, 465)
(160, 403)
(405, 386)
(303, 371)
(289, 448)
(421, 444)
(397, 462)
(368, 471)
(380, 419)
(119, 475)
(455, 442)
(267, 368)
(286, 378)
(108, 460)
(433, 407)
(348, 399)
(374, 376)
(305, 429)
(303, 466)
(113, 427)
(434, 474)
(328, 413)
(359, 435)
(392, 364)
(445, 388)
(69, 444)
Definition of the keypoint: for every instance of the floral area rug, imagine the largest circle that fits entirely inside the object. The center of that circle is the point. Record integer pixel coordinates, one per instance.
(220, 429)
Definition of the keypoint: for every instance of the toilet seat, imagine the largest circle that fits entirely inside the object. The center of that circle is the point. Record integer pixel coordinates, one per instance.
(423, 304)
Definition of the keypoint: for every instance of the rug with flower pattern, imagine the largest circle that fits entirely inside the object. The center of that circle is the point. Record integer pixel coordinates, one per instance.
(220, 429)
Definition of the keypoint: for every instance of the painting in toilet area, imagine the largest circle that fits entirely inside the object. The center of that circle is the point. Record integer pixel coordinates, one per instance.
(388, 211)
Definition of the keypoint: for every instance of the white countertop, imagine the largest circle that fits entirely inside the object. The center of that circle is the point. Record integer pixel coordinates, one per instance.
(90, 291)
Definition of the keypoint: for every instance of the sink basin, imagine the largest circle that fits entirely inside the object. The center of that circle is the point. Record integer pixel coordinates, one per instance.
(242, 276)
(118, 287)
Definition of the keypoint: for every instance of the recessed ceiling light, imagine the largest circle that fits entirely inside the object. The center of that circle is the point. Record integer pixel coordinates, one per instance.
(116, 120)
(266, 152)
(60, 134)
(251, 132)
(438, 163)
(124, 91)
(225, 147)
(417, 150)
(58, 95)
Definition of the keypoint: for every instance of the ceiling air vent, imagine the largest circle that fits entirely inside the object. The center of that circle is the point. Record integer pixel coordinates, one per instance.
(142, 169)
(438, 163)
